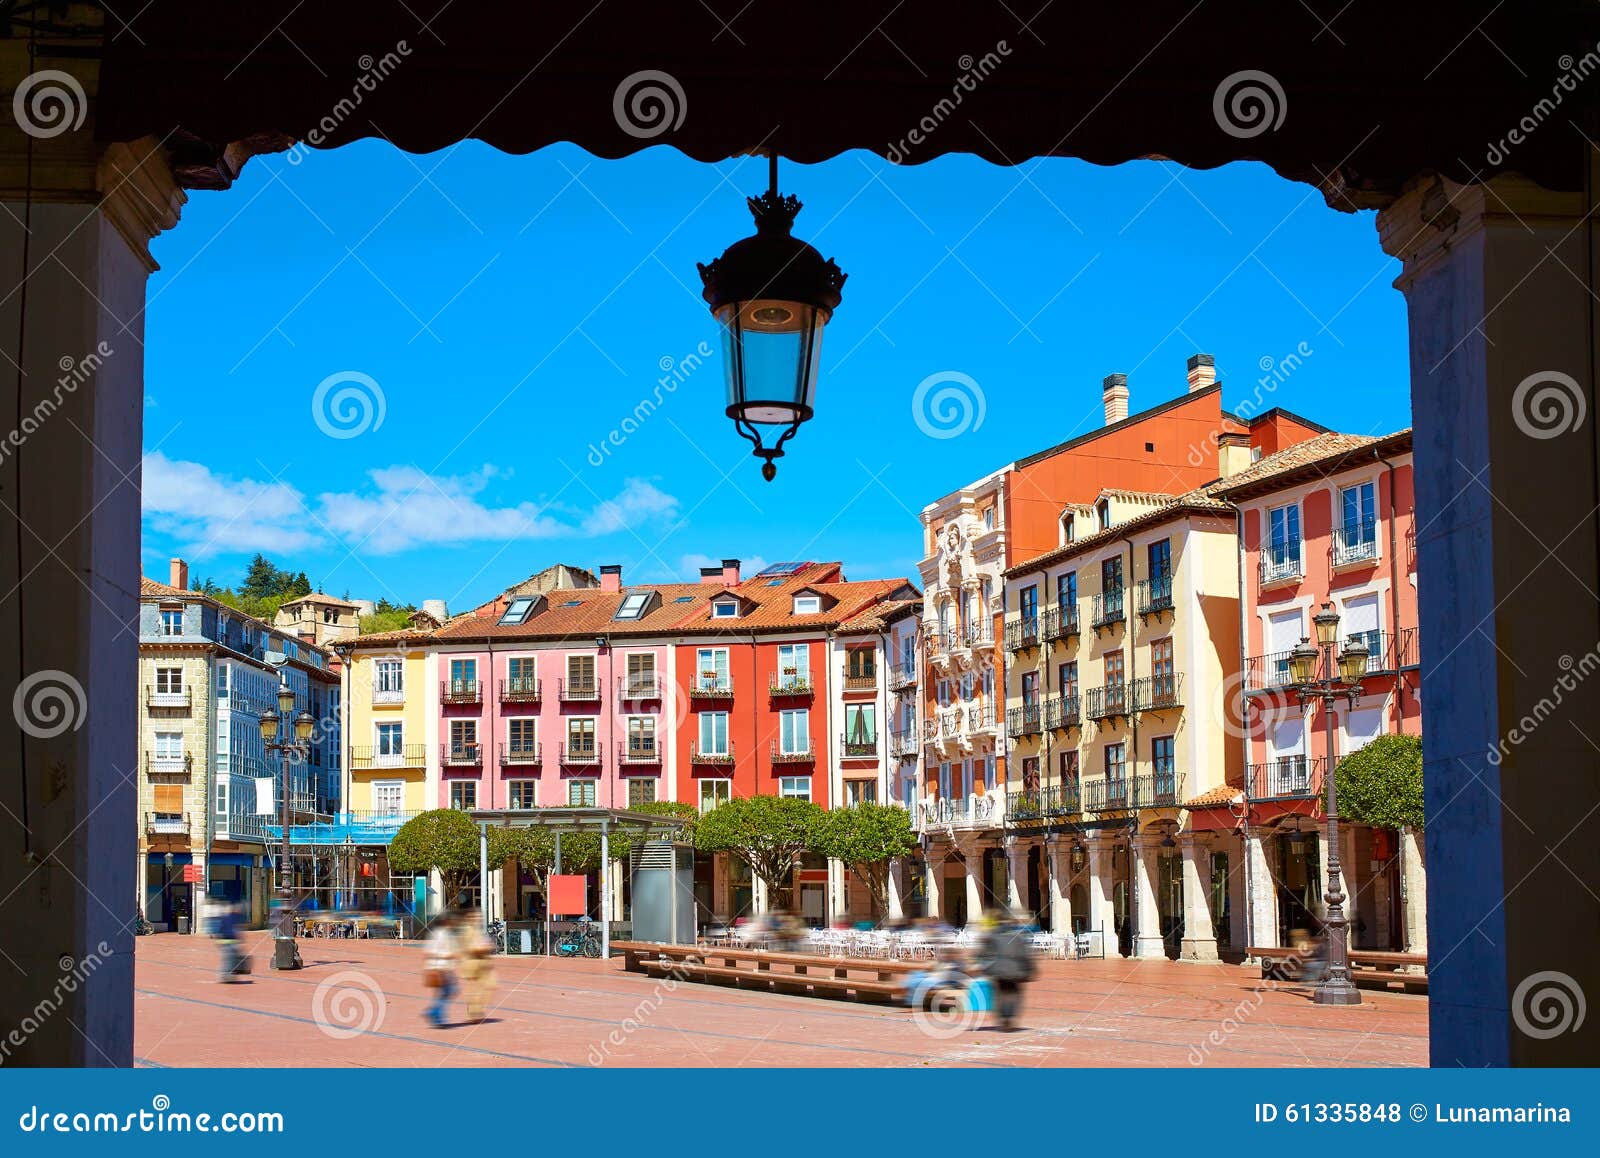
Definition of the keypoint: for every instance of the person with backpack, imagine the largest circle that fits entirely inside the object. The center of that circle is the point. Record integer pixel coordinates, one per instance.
(1005, 957)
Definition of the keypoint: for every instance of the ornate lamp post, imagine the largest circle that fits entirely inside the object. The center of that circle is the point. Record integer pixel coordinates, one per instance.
(1317, 676)
(285, 953)
(772, 294)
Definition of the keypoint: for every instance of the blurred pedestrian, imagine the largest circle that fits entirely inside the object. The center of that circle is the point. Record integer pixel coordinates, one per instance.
(1005, 958)
(225, 928)
(439, 967)
(474, 950)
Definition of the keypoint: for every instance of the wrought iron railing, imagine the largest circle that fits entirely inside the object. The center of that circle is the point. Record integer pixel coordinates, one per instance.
(980, 634)
(523, 752)
(181, 764)
(795, 753)
(460, 692)
(980, 717)
(1060, 623)
(640, 752)
(902, 675)
(519, 690)
(1269, 672)
(1408, 649)
(1022, 632)
(904, 741)
(1287, 776)
(1161, 789)
(1158, 692)
(698, 755)
(711, 686)
(1109, 609)
(1108, 793)
(1280, 562)
(172, 698)
(389, 695)
(1062, 712)
(1102, 703)
(1355, 542)
(1052, 800)
(578, 690)
(785, 683)
(633, 688)
(581, 755)
(1153, 595)
(860, 681)
(166, 823)
(1026, 720)
(858, 746)
(403, 756)
(461, 755)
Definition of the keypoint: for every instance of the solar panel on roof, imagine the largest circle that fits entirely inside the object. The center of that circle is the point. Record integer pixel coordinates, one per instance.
(780, 569)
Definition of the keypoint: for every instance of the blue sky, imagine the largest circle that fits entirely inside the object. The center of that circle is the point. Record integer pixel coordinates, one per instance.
(507, 313)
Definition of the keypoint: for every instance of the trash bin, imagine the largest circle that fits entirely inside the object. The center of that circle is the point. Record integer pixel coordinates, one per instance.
(183, 924)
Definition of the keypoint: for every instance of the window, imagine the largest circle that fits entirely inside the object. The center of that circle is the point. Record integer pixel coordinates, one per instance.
(521, 737)
(860, 727)
(1069, 530)
(463, 676)
(521, 676)
(580, 674)
(944, 780)
(1161, 667)
(942, 689)
(1159, 555)
(1116, 769)
(517, 611)
(388, 796)
(524, 793)
(908, 654)
(794, 666)
(1361, 727)
(861, 792)
(861, 664)
(391, 742)
(713, 733)
(1161, 757)
(581, 793)
(641, 790)
(1102, 511)
(715, 792)
(712, 670)
(1358, 527)
(1067, 595)
(807, 604)
(580, 737)
(1028, 602)
(633, 605)
(169, 681)
(968, 682)
(1111, 576)
(464, 795)
(1283, 543)
(1068, 675)
(172, 621)
(1069, 772)
(224, 680)
(642, 737)
(724, 609)
(388, 678)
(1114, 667)
(1361, 622)
(168, 747)
(463, 737)
(796, 787)
(988, 518)
(794, 732)
(1030, 689)
(1283, 636)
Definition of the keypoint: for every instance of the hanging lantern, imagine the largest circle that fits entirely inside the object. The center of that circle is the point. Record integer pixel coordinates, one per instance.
(772, 294)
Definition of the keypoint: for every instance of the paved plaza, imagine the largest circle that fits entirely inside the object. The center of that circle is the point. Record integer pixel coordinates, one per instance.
(359, 1003)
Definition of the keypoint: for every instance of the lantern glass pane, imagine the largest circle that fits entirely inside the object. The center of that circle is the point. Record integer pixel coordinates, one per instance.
(1302, 666)
(772, 350)
(269, 726)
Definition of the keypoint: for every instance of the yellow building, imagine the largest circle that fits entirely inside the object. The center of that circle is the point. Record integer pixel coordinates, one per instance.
(390, 725)
(1118, 642)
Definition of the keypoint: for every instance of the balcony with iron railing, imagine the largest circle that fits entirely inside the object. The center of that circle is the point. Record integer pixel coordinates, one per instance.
(1408, 648)
(461, 755)
(633, 689)
(1355, 543)
(972, 812)
(460, 692)
(1026, 720)
(790, 683)
(980, 718)
(1022, 632)
(858, 746)
(1280, 563)
(1268, 673)
(405, 756)
(581, 690)
(1108, 793)
(388, 697)
(1050, 801)
(940, 643)
(711, 686)
(1153, 596)
(698, 755)
(1105, 702)
(519, 690)
(181, 764)
(524, 753)
(1059, 623)
(1158, 693)
(1062, 712)
(1109, 609)
(860, 681)
(1161, 789)
(980, 634)
(904, 742)
(581, 755)
(901, 676)
(797, 752)
(167, 698)
(637, 751)
(1286, 777)
(166, 823)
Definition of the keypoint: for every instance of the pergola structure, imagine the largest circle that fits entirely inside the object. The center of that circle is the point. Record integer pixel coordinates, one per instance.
(1470, 131)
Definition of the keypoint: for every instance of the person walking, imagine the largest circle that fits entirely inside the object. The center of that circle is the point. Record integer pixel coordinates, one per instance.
(439, 967)
(475, 948)
(1005, 958)
(226, 930)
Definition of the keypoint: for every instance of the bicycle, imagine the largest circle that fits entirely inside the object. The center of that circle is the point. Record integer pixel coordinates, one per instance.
(584, 940)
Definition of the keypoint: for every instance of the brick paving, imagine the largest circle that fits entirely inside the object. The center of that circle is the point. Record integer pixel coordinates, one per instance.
(552, 1012)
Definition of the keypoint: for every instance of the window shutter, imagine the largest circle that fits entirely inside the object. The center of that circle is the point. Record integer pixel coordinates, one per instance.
(169, 798)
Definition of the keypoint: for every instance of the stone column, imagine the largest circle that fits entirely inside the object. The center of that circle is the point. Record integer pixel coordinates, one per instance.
(1262, 891)
(933, 876)
(974, 882)
(897, 888)
(1016, 874)
(1102, 913)
(1142, 853)
(836, 907)
(1500, 284)
(1199, 938)
(1058, 859)
(1414, 880)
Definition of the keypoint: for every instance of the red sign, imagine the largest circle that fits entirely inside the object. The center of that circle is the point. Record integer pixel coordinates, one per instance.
(192, 874)
(569, 895)
(813, 876)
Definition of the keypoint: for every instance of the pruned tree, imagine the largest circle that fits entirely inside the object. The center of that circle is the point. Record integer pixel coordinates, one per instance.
(1381, 784)
(767, 833)
(866, 837)
(445, 840)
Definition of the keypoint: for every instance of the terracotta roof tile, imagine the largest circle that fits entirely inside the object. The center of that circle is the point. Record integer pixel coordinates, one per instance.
(1222, 794)
(1325, 450)
(1201, 501)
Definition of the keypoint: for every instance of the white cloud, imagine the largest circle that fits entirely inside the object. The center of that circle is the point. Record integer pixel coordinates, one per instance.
(401, 508)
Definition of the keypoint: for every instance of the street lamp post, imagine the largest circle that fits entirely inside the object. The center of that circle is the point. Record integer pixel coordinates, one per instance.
(1317, 676)
(286, 953)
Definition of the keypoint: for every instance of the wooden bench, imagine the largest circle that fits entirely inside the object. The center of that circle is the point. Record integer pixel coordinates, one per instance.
(808, 975)
(1370, 967)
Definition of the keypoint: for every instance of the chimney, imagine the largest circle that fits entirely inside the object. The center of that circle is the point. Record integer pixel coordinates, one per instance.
(1114, 392)
(1233, 454)
(611, 577)
(730, 572)
(1202, 371)
(711, 575)
(178, 575)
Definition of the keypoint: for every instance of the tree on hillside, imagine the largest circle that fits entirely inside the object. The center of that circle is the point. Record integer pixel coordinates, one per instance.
(300, 585)
(1381, 783)
(866, 837)
(767, 833)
